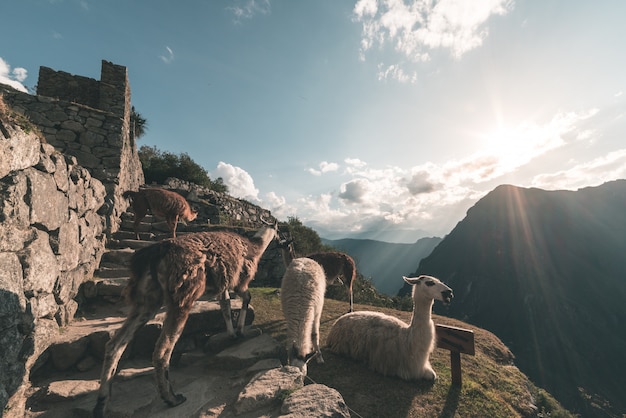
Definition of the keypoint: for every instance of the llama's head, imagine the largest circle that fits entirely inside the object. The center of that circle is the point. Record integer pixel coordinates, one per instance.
(430, 287)
(299, 361)
(193, 214)
(268, 232)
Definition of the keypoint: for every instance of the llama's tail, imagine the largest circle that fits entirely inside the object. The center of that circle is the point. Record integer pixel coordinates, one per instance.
(143, 266)
(129, 194)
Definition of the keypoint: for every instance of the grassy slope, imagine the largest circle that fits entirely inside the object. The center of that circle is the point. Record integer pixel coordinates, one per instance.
(492, 386)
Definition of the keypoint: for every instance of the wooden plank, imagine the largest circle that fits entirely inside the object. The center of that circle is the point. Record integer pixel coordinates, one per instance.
(455, 339)
(455, 363)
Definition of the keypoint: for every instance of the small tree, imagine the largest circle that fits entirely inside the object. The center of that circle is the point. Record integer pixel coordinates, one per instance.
(159, 165)
(138, 124)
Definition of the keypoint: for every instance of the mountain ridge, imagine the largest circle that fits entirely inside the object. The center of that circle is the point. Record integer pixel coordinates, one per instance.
(546, 272)
(385, 263)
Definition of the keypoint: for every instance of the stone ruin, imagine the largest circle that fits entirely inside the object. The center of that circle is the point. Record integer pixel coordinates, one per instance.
(89, 120)
(66, 156)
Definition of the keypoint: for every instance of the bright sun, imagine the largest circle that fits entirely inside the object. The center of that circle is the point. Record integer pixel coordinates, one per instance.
(516, 146)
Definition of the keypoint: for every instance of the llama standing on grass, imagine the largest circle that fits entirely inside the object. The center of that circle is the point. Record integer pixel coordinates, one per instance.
(162, 203)
(302, 299)
(337, 265)
(175, 273)
(388, 345)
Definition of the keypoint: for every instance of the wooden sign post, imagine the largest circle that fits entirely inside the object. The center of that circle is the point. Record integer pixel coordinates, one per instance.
(457, 340)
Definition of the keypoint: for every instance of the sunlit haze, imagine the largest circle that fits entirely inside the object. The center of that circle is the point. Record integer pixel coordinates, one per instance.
(362, 116)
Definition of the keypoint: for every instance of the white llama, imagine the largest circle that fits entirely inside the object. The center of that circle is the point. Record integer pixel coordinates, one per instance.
(302, 298)
(388, 345)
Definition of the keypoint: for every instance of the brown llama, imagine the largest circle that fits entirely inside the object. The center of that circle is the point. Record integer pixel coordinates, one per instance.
(287, 250)
(176, 272)
(337, 265)
(162, 203)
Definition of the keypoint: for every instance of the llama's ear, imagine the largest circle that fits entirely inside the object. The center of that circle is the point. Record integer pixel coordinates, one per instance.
(412, 280)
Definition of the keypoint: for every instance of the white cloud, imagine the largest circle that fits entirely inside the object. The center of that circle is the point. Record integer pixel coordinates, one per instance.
(168, 57)
(355, 162)
(279, 207)
(395, 72)
(433, 196)
(324, 167)
(418, 27)
(240, 183)
(247, 9)
(507, 149)
(610, 167)
(355, 191)
(13, 78)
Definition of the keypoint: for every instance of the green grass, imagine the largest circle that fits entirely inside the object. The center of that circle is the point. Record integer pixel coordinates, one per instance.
(492, 386)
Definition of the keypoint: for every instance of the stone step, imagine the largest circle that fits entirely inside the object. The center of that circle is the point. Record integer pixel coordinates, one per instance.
(145, 236)
(143, 226)
(82, 342)
(117, 256)
(130, 217)
(112, 271)
(133, 244)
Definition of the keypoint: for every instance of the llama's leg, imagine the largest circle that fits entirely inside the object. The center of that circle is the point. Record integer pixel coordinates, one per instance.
(173, 326)
(172, 222)
(141, 210)
(351, 298)
(427, 373)
(226, 313)
(315, 336)
(137, 318)
(245, 302)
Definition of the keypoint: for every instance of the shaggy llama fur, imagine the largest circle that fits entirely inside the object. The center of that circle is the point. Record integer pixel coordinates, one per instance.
(162, 203)
(175, 273)
(302, 299)
(388, 345)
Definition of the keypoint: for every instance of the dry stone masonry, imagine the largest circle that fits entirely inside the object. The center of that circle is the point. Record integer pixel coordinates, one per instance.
(89, 120)
(51, 238)
(66, 156)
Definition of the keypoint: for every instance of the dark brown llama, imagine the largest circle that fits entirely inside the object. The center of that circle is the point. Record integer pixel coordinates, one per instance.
(287, 250)
(162, 203)
(175, 273)
(337, 265)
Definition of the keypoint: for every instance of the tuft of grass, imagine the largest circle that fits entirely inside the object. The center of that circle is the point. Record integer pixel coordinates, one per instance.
(7, 114)
(492, 385)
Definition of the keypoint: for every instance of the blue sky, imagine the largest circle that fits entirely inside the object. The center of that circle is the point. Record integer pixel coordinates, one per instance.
(355, 115)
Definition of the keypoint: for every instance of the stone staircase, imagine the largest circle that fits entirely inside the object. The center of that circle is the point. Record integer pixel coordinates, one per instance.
(220, 377)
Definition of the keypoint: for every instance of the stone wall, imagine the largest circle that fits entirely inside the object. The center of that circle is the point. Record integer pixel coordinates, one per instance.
(51, 239)
(90, 120)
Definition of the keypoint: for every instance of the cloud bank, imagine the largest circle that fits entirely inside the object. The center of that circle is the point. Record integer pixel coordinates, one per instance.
(12, 77)
(240, 183)
(416, 28)
(434, 196)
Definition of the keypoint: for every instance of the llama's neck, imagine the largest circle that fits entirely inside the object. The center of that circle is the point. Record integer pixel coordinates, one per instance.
(262, 239)
(288, 254)
(422, 313)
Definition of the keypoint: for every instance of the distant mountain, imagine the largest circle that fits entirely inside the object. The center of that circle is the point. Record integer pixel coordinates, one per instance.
(546, 272)
(401, 236)
(383, 262)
